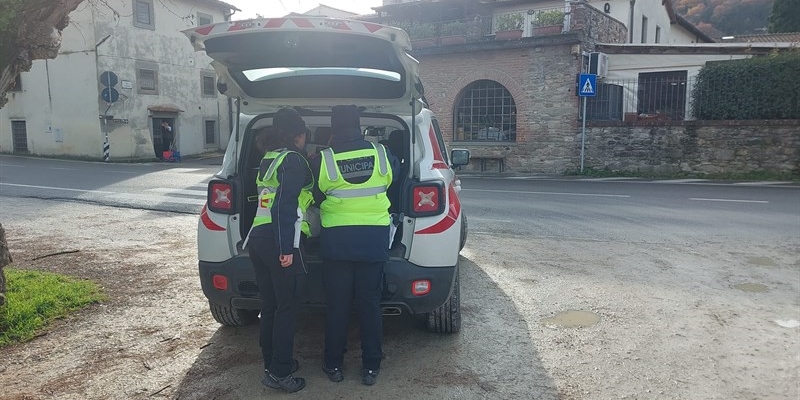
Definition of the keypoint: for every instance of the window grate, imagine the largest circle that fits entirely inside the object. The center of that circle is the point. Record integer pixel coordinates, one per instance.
(211, 132)
(486, 112)
(143, 15)
(147, 79)
(19, 136)
(208, 86)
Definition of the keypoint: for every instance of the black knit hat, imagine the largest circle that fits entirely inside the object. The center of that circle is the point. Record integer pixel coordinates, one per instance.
(288, 122)
(345, 121)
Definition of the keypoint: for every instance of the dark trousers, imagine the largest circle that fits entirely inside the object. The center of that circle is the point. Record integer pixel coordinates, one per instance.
(360, 284)
(279, 290)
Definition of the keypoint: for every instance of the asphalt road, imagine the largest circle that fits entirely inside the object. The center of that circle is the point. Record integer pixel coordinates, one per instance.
(543, 206)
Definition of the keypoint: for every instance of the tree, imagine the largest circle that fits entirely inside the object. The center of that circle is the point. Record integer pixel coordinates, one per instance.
(29, 30)
(5, 259)
(784, 17)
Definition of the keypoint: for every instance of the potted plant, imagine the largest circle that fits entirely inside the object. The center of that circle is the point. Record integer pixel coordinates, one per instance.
(453, 32)
(422, 35)
(548, 22)
(508, 26)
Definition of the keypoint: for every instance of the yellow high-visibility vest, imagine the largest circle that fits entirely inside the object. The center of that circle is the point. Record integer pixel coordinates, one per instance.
(268, 186)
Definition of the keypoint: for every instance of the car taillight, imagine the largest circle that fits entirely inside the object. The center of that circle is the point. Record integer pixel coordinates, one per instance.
(220, 197)
(427, 199)
(421, 287)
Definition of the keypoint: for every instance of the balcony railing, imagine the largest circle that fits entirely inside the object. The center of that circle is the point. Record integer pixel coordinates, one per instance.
(516, 25)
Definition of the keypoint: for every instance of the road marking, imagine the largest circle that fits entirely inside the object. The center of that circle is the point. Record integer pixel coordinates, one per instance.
(547, 193)
(729, 200)
(62, 168)
(56, 188)
(681, 181)
(621, 178)
(199, 193)
(181, 169)
(124, 172)
(11, 165)
(136, 197)
(765, 183)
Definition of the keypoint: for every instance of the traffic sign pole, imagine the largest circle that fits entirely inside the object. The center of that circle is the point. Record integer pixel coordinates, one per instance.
(587, 87)
(583, 131)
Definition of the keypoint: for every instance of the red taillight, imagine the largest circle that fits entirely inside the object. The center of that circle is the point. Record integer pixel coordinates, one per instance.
(420, 287)
(220, 197)
(220, 282)
(427, 199)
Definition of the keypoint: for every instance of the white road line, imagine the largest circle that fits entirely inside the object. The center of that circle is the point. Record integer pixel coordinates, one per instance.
(729, 200)
(62, 168)
(200, 193)
(621, 178)
(56, 188)
(153, 199)
(11, 165)
(547, 193)
(681, 181)
(124, 172)
(185, 169)
(765, 183)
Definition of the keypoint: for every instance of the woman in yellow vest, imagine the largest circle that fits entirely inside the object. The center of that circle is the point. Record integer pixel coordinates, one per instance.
(284, 183)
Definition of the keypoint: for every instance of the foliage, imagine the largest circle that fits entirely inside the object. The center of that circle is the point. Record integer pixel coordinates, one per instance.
(36, 298)
(766, 87)
(726, 17)
(421, 31)
(548, 18)
(453, 28)
(785, 16)
(509, 22)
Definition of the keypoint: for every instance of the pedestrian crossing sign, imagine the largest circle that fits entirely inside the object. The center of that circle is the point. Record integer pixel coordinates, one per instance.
(587, 85)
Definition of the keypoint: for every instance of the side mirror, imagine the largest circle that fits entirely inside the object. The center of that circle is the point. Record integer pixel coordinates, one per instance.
(459, 157)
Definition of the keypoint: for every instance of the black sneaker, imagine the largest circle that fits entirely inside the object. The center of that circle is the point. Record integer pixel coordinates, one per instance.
(369, 376)
(288, 383)
(334, 374)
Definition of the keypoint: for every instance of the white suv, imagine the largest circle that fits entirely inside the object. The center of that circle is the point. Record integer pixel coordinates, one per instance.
(313, 64)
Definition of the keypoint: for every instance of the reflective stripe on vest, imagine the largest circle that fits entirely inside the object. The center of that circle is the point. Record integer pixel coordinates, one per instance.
(268, 186)
(348, 204)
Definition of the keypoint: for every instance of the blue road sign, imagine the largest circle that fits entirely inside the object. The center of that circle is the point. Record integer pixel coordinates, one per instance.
(587, 85)
(109, 95)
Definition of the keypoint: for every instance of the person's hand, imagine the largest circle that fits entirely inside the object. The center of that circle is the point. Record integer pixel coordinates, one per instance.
(286, 260)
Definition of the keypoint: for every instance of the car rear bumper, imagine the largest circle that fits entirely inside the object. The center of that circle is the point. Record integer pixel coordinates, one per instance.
(399, 274)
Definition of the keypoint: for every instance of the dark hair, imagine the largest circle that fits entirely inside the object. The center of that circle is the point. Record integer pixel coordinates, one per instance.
(287, 125)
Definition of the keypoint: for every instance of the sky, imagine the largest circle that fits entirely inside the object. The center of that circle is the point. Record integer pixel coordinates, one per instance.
(279, 8)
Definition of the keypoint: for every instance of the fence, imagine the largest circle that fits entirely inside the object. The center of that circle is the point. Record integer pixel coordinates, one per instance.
(665, 96)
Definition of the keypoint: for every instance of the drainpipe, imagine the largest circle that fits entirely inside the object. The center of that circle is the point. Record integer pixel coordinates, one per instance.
(630, 22)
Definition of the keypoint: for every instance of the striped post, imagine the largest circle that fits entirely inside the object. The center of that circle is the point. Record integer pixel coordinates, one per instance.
(106, 145)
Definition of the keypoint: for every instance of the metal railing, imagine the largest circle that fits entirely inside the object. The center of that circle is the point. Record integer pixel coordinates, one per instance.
(505, 26)
(667, 96)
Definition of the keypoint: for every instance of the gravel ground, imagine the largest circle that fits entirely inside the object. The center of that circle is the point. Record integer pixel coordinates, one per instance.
(543, 318)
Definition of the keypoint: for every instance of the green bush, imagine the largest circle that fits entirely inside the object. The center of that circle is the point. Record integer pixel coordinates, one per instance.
(509, 22)
(548, 18)
(766, 87)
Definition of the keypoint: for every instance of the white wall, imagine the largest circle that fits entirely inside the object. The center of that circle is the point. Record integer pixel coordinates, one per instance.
(62, 95)
(656, 14)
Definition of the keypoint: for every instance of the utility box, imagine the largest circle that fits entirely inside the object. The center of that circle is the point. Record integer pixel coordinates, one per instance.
(598, 64)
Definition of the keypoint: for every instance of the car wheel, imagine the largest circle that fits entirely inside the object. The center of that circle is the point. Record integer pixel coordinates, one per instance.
(447, 318)
(229, 316)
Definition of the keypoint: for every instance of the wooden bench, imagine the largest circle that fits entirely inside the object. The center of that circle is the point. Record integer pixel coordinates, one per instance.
(500, 160)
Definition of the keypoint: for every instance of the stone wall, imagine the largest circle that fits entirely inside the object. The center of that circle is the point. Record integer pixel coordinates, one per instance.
(703, 147)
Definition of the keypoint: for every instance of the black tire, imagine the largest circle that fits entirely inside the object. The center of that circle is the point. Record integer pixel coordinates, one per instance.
(231, 316)
(463, 241)
(447, 318)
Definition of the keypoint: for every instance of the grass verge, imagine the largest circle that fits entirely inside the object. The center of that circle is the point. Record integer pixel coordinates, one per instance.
(36, 298)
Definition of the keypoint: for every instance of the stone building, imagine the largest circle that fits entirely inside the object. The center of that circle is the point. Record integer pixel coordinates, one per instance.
(501, 75)
(124, 67)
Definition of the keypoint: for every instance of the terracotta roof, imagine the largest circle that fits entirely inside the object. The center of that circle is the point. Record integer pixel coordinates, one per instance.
(789, 37)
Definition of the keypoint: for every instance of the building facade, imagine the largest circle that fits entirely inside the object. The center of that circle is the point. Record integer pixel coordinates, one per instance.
(124, 67)
(501, 76)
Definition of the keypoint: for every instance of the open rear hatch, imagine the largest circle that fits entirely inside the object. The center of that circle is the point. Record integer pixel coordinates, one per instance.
(312, 62)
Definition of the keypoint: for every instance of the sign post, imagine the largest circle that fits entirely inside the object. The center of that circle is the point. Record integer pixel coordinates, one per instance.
(110, 95)
(587, 87)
